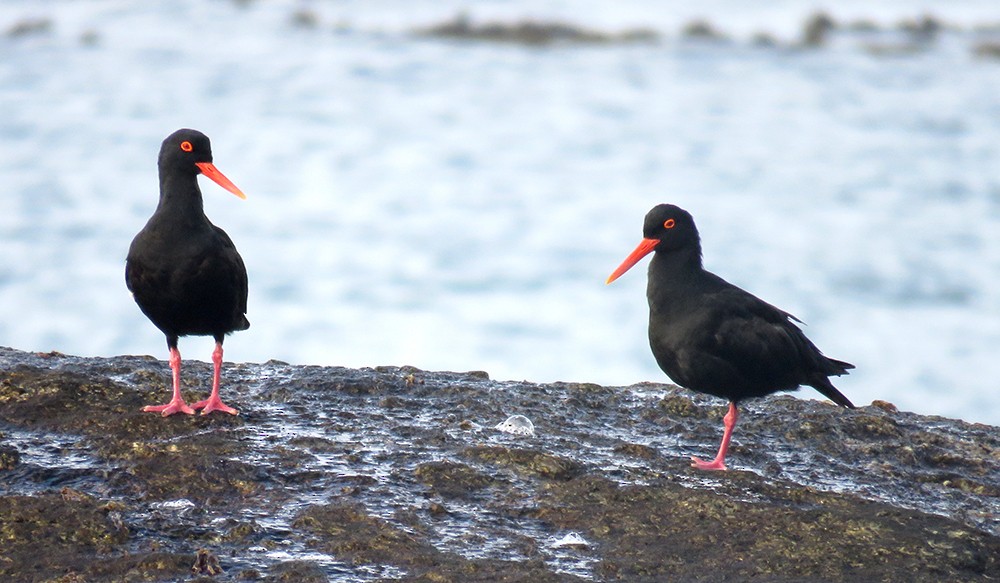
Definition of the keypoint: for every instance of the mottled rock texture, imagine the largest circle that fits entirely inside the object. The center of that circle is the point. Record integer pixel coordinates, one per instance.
(395, 473)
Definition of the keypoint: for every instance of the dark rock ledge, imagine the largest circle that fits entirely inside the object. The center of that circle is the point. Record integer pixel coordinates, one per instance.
(398, 474)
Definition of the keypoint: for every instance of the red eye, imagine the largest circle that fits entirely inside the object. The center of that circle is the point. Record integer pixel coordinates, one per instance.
(186, 146)
(669, 224)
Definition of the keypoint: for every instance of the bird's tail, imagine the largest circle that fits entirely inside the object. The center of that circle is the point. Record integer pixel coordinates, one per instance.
(838, 367)
(824, 386)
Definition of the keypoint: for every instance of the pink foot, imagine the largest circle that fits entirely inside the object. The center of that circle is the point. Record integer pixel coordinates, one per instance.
(214, 403)
(174, 406)
(719, 463)
(712, 465)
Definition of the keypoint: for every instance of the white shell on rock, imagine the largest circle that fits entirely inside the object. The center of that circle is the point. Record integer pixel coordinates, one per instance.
(572, 539)
(517, 425)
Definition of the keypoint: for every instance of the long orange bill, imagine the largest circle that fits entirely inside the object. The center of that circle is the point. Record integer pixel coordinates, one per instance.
(209, 170)
(641, 251)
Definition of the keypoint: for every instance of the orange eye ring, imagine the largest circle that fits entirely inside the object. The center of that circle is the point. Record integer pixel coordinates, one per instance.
(186, 146)
(669, 224)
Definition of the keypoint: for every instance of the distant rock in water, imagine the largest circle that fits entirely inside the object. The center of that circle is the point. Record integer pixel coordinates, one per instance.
(530, 32)
(817, 29)
(924, 29)
(90, 37)
(702, 30)
(764, 39)
(30, 27)
(304, 18)
(987, 50)
(863, 25)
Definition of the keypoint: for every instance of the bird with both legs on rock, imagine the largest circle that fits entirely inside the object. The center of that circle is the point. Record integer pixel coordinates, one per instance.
(184, 272)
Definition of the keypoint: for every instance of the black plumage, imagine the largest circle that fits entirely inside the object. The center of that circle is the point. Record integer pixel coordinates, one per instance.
(184, 272)
(712, 337)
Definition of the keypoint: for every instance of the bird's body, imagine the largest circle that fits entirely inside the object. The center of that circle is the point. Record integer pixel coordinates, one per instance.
(184, 272)
(710, 336)
(188, 279)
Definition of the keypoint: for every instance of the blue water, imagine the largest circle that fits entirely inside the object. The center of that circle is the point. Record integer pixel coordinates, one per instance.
(458, 206)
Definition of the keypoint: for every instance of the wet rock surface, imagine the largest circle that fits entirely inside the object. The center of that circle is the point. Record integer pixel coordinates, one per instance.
(394, 473)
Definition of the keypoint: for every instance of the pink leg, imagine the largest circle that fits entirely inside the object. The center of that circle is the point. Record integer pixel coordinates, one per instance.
(176, 404)
(719, 463)
(213, 402)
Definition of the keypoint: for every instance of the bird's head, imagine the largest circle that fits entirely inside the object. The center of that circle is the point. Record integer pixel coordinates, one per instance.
(191, 151)
(668, 228)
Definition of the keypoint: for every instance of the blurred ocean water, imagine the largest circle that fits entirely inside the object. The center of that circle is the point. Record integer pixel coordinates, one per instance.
(458, 205)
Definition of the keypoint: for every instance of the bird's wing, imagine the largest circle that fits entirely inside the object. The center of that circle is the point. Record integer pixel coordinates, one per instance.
(139, 279)
(239, 270)
(751, 346)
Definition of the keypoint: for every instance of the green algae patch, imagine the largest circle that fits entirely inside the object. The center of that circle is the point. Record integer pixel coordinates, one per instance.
(154, 566)
(526, 462)
(674, 406)
(297, 572)
(636, 450)
(49, 535)
(95, 406)
(189, 474)
(166, 458)
(9, 457)
(481, 571)
(669, 532)
(347, 532)
(452, 479)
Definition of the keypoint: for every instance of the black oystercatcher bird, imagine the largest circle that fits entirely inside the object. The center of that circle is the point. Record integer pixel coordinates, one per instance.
(183, 271)
(712, 337)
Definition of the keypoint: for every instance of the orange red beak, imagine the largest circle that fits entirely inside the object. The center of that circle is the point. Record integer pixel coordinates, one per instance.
(644, 248)
(209, 170)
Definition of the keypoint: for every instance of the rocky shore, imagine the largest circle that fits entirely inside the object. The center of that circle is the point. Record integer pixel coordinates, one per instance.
(399, 474)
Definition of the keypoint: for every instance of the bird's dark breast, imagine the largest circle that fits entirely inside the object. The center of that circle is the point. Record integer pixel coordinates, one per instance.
(194, 288)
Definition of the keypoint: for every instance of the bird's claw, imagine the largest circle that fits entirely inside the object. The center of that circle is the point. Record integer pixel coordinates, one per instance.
(717, 465)
(170, 408)
(214, 404)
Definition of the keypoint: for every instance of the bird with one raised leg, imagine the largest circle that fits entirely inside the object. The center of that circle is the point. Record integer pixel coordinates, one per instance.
(712, 337)
(184, 272)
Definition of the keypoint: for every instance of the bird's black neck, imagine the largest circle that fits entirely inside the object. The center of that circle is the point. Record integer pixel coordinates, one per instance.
(675, 261)
(180, 195)
(670, 271)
